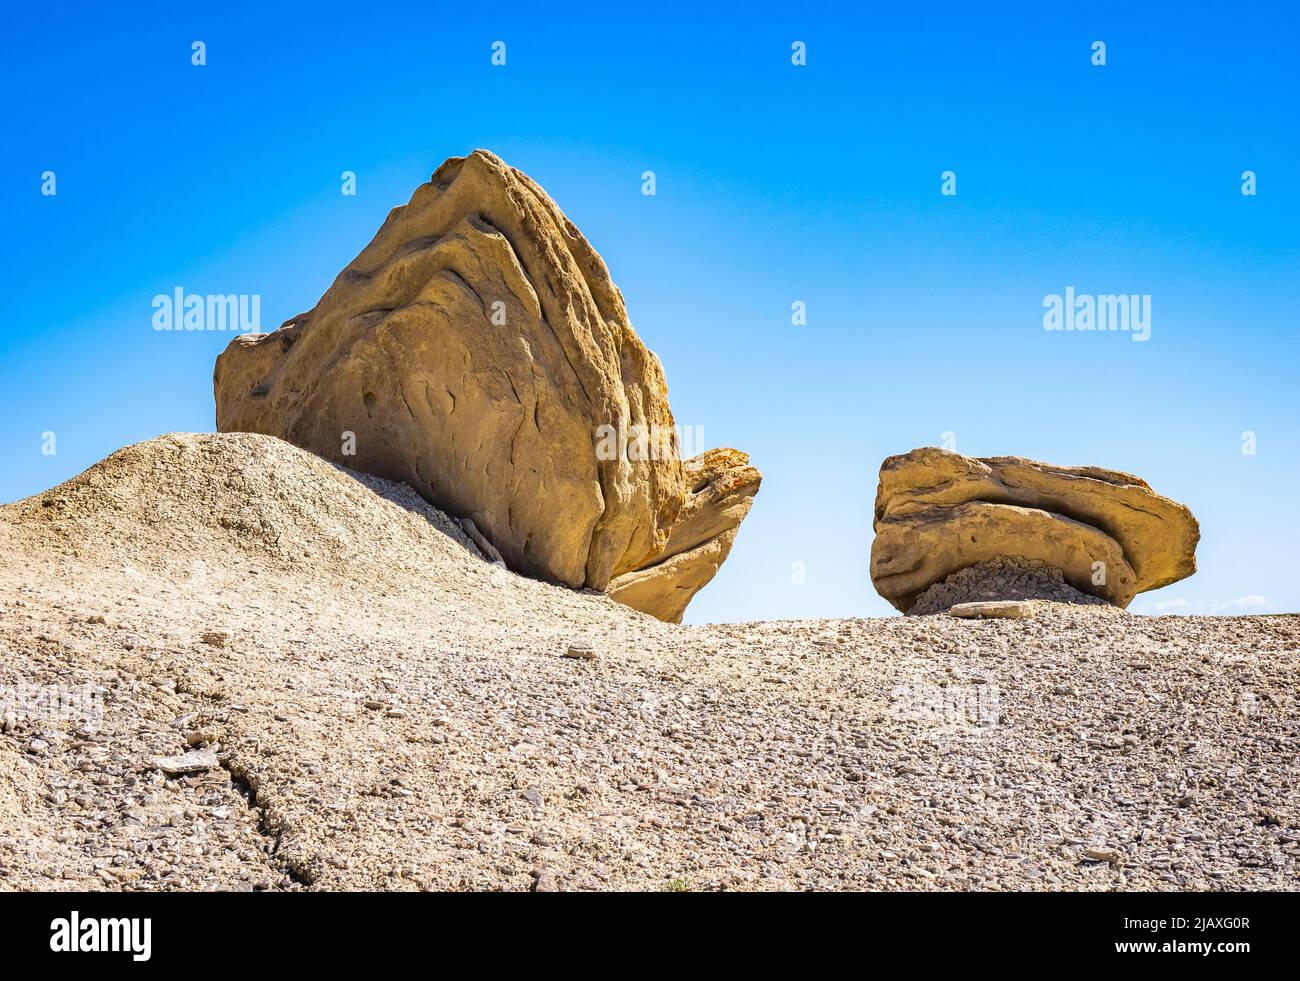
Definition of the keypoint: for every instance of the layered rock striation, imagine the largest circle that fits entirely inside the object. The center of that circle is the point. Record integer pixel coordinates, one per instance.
(478, 351)
(720, 489)
(1109, 534)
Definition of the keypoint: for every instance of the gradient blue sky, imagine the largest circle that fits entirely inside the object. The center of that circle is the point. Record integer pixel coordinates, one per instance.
(775, 184)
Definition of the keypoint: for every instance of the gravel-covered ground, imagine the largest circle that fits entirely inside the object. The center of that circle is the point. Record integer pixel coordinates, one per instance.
(372, 705)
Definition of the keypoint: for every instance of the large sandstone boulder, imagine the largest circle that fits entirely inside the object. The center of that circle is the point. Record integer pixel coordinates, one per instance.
(720, 489)
(1110, 535)
(477, 350)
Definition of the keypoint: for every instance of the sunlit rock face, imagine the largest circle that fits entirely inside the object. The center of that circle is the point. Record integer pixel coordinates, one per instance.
(1109, 533)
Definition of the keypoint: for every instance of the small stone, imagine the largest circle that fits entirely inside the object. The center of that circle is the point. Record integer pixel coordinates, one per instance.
(938, 513)
(38, 746)
(581, 651)
(1104, 855)
(97, 618)
(195, 761)
(215, 638)
(720, 489)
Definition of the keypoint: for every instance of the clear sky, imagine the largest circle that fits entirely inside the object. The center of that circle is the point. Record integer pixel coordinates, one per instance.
(776, 183)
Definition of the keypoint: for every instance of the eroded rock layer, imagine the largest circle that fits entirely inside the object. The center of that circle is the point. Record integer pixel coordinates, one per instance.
(720, 489)
(1109, 534)
(473, 350)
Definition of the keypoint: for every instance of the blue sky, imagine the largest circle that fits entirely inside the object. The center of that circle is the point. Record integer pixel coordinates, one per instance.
(775, 183)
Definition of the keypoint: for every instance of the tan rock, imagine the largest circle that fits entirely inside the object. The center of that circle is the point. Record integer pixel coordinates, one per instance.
(721, 488)
(474, 350)
(938, 512)
(993, 610)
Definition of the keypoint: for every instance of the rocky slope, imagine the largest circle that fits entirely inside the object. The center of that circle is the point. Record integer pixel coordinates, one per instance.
(369, 703)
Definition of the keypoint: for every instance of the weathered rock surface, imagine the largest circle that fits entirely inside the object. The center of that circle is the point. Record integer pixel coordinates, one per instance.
(720, 489)
(394, 713)
(993, 610)
(473, 350)
(938, 512)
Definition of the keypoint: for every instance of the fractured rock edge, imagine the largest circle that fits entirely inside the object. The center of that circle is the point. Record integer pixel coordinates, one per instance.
(721, 489)
(937, 512)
